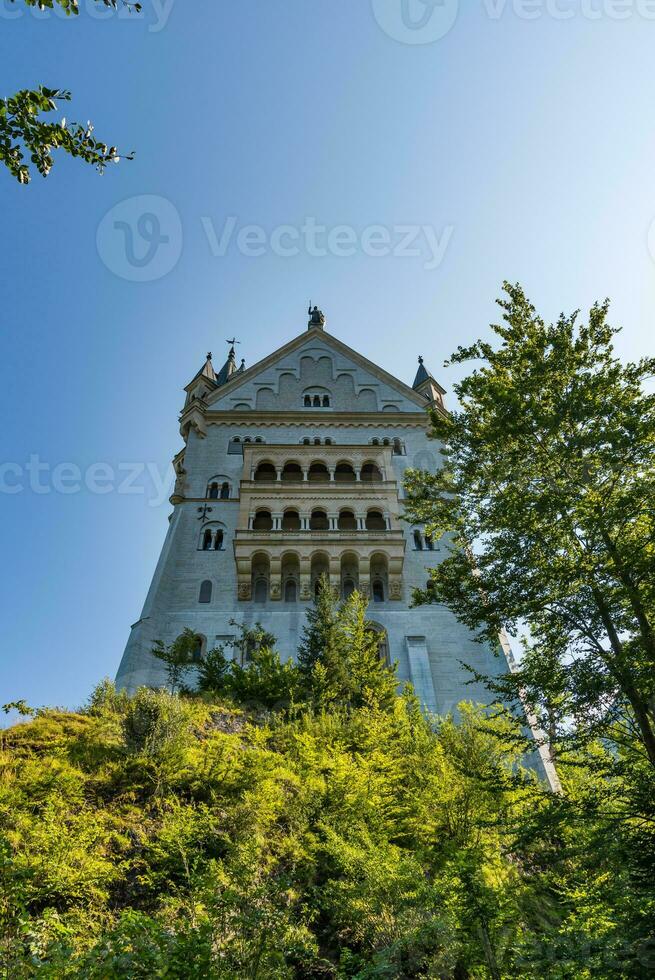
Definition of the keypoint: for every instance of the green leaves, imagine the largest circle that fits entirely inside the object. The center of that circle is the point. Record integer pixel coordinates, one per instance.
(23, 132)
(547, 495)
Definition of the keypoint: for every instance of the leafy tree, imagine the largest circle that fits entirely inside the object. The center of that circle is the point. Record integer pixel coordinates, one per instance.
(22, 131)
(318, 630)
(178, 657)
(547, 491)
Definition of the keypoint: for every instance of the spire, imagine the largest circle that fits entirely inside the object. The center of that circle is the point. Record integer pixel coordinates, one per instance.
(207, 370)
(230, 366)
(421, 375)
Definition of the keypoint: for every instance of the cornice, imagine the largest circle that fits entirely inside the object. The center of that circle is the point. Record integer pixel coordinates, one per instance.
(309, 421)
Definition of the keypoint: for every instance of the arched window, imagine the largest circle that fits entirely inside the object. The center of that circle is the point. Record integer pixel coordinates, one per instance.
(348, 587)
(247, 439)
(317, 442)
(326, 401)
(205, 592)
(328, 442)
(344, 473)
(398, 448)
(290, 591)
(259, 439)
(385, 442)
(429, 543)
(375, 442)
(265, 473)
(292, 473)
(318, 521)
(375, 521)
(261, 590)
(378, 590)
(370, 473)
(317, 401)
(318, 473)
(218, 541)
(307, 401)
(418, 541)
(207, 540)
(213, 491)
(291, 521)
(196, 656)
(307, 442)
(263, 521)
(225, 491)
(347, 521)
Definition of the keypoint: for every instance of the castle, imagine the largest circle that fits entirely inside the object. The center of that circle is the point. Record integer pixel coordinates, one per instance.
(291, 469)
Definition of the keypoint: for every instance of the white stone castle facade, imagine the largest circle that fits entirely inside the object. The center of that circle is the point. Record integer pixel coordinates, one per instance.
(294, 468)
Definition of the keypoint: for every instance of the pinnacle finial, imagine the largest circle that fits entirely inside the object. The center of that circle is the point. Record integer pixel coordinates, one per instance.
(209, 355)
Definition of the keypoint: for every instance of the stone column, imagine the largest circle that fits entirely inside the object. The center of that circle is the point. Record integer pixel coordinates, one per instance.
(331, 470)
(251, 519)
(305, 473)
(335, 574)
(332, 521)
(361, 522)
(277, 522)
(304, 522)
(276, 578)
(365, 576)
(278, 472)
(305, 578)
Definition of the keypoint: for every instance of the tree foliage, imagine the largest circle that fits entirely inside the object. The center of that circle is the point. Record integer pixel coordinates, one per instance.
(23, 131)
(547, 492)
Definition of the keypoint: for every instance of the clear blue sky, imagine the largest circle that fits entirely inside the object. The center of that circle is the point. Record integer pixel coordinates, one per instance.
(529, 143)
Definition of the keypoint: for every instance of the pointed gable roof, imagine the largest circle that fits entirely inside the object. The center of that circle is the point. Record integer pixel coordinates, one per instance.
(238, 378)
(206, 371)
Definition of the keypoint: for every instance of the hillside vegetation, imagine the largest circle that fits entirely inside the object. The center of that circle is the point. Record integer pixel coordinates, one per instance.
(333, 832)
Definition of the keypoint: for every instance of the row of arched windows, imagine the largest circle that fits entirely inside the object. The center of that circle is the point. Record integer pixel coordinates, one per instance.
(218, 491)
(317, 442)
(320, 566)
(316, 401)
(318, 520)
(318, 472)
(397, 445)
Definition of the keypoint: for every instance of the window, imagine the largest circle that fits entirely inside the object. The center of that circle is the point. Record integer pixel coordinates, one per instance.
(378, 590)
(207, 540)
(318, 521)
(429, 543)
(218, 541)
(370, 473)
(225, 491)
(344, 473)
(292, 473)
(291, 521)
(317, 442)
(263, 521)
(307, 442)
(398, 448)
(308, 401)
(290, 591)
(418, 541)
(348, 587)
(196, 656)
(317, 401)
(326, 401)
(265, 473)
(261, 590)
(328, 442)
(347, 521)
(213, 491)
(375, 521)
(205, 592)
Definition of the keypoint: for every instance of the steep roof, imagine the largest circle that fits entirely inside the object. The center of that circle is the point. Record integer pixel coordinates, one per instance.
(237, 378)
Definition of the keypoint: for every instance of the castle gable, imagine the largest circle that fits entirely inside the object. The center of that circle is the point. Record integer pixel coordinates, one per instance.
(316, 370)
